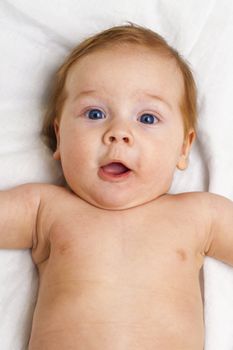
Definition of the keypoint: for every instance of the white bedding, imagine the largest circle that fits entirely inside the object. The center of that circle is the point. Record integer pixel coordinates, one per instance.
(35, 36)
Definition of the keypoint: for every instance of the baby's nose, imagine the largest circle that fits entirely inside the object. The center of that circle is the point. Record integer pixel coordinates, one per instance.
(118, 136)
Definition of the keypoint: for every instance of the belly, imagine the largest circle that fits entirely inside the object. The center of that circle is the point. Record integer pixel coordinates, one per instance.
(94, 315)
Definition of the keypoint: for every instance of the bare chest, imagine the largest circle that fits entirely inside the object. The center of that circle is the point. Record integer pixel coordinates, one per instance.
(123, 249)
(120, 274)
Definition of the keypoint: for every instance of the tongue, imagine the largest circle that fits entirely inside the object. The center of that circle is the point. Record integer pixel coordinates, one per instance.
(115, 168)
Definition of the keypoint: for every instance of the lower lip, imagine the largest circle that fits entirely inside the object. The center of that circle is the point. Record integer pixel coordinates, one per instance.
(111, 177)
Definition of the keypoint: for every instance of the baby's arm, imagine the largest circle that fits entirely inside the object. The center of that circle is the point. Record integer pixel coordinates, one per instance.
(18, 216)
(220, 242)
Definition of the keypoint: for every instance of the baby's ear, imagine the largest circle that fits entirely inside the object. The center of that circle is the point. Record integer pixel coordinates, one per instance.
(56, 154)
(183, 158)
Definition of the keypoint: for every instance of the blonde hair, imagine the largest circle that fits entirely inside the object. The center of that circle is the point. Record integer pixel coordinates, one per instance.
(120, 35)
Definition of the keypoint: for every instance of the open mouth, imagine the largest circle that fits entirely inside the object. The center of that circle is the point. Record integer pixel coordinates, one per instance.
(114, 170)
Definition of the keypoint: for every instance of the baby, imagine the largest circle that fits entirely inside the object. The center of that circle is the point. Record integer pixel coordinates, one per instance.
(118, 257)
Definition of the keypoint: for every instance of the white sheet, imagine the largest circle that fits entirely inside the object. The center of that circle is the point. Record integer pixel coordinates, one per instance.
(34, 38)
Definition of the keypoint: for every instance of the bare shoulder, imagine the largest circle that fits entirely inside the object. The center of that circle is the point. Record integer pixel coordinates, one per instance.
(53, 199)
(195, 209)
(20, 209)
(206, 202)
(192, 201)
(43, 189)
(215, 212)
(199, 206)
(212, 216)
(36, 191)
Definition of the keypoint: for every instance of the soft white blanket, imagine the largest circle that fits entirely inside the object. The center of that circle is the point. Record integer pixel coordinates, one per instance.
(35, 36)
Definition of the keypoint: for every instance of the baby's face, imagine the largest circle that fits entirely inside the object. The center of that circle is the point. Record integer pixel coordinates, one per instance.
(120, 136)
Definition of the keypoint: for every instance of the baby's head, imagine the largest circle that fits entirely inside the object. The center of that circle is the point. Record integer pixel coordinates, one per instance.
(122, 117)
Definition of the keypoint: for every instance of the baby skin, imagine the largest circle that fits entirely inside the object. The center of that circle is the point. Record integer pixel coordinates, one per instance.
(118, 257)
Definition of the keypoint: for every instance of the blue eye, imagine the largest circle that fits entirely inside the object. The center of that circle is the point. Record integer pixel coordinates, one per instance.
(148, 118)
(95, 114)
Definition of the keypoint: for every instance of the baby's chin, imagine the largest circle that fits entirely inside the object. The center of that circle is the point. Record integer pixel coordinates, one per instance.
(108, 205)
(116, 203)
(113, 206)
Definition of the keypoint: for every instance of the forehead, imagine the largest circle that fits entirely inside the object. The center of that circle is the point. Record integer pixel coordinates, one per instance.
(126, 71)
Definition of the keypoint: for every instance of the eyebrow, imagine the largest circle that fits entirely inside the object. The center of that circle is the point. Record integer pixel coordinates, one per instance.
(148, 94)
(157, 97)
(84, 93)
